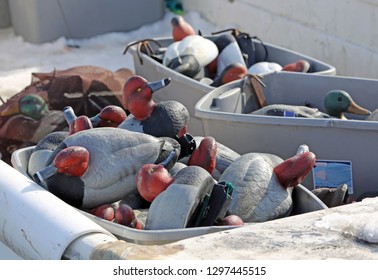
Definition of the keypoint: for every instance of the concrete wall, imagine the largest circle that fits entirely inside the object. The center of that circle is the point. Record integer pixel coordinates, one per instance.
(5, 20)
(343, 33)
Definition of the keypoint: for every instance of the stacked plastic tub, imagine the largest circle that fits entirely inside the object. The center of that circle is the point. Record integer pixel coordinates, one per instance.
(303, 202)
(224, 113)
(189, 91)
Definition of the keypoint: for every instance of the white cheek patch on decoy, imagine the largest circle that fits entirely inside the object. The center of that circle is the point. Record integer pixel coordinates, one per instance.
(257, 195)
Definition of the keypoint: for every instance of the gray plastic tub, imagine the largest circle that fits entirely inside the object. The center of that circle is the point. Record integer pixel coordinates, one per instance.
(304, 201)
(40, 21)
(188, 91)
(226, 118)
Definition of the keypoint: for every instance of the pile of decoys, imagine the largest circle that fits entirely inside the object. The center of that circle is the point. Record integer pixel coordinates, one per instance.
(116, 163)
(213, 60)
(142, 156)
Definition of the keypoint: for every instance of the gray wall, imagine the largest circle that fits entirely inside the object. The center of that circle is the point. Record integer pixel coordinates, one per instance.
(5, 20)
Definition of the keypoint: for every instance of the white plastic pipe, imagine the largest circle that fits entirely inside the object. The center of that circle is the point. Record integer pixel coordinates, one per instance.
(35, 224)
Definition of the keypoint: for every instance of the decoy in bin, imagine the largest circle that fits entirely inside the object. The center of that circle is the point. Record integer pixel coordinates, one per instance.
(190, 55)
(106, 159)
(179, 205)
(263, 184)
(162, 119)
(29, 119)
(337, 103)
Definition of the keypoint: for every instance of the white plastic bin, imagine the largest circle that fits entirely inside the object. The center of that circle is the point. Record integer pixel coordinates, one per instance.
(40, 21)
(330, 139)
(304, 202)
(188, 91)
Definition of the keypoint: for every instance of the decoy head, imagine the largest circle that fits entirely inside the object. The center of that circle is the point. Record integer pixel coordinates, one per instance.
(137, 95)
(72, 161)
(205, 155)
(30, 105)
(181, 28)
(338, 102)
(76, 123)
(109, 116)
(297, 66)
(230, 73)
(293, 171)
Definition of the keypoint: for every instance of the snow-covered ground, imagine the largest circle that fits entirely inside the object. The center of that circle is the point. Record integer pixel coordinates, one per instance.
(18, 58)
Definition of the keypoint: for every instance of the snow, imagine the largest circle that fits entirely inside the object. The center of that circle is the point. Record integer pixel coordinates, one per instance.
(19, 58)
(360, 225)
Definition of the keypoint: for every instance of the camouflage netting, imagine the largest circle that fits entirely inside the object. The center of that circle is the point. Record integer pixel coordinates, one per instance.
(37, 109)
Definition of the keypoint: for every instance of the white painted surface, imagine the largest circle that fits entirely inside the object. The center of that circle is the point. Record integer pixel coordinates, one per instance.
(341, 33)
(7, 254)
(35, 224)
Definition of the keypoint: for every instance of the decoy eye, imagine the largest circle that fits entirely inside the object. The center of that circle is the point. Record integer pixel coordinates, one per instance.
(339, 98)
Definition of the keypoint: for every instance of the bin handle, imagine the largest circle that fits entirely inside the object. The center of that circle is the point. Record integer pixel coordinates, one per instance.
(146, 43)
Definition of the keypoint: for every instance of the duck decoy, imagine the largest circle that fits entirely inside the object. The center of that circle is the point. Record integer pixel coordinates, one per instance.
(75, 123)
(105, 211)
(24, 121)
(152, 179)
(285, 110)
(162, 119)
(190, 55)
(32, 118)
(246, 44)
(124, 215)
(338, 102)
(115, 156)
(181, 28)
(109, 116)
(118, 212)
(231, 220)
(264, 67)
(232, 72)
(205, 154)
(230, 63)
(263, 184)
(179, 205)
(300, 65)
